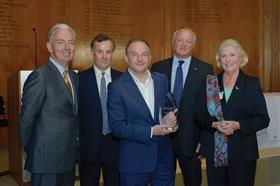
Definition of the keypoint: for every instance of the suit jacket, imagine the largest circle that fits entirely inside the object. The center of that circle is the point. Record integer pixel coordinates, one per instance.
(90, 112)
(48, 121)
(189, 133)
(131, 120)
(247, 105)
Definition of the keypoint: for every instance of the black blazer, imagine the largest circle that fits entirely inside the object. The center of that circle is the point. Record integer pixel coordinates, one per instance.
(247, 105)
(90, 114)
(189, 133)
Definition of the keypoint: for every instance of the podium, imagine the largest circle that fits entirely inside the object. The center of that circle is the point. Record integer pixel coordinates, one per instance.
(16, 153)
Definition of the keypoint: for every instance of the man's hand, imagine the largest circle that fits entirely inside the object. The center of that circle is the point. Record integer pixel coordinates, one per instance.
(161, 130)
(167, 127)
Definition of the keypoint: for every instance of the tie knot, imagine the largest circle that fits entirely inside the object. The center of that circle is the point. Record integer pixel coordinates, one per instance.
(103, 73)
(181, 62)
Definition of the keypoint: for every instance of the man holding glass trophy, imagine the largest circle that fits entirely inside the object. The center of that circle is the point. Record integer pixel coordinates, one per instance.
(134, 99)
(186, 74)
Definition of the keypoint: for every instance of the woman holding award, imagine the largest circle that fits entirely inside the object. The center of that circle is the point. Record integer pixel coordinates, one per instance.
(233, 112)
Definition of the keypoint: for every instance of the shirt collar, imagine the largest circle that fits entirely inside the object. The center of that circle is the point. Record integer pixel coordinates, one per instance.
(186, 60)
(60, 68)
(98, 72)
(137, 80)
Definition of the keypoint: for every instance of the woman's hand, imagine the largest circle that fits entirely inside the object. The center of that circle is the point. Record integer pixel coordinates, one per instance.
(226, 127)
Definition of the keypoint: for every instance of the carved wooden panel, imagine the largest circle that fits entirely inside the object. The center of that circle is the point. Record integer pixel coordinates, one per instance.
(214, 21)
(275, 66)
(121, 20)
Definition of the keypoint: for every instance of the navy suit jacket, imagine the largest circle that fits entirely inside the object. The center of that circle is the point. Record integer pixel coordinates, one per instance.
(48, 121)
(90, 112)
(189, 133)
(247, 105)
(131, 121)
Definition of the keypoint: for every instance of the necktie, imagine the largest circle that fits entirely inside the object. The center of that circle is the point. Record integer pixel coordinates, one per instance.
(178, 85)
(66, 80)
(103, 98)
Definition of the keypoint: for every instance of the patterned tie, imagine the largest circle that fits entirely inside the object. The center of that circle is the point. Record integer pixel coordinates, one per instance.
(66, 80)
(103, 98)
(215, 109)
(178, 85)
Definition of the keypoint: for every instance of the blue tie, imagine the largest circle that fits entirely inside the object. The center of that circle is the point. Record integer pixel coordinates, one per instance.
(178, 85)
(103, 98)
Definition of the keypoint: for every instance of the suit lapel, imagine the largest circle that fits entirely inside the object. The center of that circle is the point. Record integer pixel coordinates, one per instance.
(114, 75)
(236, 93)
(221, 84)
(169, 72)
(92, 84)
(58, 81)
(74, 81)
(157, 89)
(133, 89)
(190, 79)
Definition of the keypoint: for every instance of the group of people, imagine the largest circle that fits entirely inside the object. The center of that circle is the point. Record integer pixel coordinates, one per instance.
(109, 122)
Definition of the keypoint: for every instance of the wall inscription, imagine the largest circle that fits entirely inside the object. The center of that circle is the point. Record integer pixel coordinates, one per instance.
(10, 27)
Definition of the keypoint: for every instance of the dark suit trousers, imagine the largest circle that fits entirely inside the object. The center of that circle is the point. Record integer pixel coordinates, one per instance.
(61, 179)
(190, 166)
(108, 161)
(239, 174)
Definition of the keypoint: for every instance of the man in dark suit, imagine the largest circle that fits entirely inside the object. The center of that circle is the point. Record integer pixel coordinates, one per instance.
(48, 119)
(146, 154)
(193, 72)
(99, 149)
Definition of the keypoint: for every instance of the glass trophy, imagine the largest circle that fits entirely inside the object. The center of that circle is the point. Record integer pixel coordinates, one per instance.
(167, 104)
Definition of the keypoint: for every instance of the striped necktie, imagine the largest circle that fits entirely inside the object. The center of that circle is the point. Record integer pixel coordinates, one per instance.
(67, 82)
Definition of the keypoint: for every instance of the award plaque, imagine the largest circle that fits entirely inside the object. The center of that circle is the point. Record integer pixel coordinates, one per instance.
(167, 104)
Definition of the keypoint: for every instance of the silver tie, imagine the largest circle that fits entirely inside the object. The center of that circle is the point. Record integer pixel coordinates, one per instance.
(103, 98)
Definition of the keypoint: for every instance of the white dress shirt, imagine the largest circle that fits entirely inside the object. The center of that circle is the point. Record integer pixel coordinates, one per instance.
(147, 91)
(98, 75)
(185, 68)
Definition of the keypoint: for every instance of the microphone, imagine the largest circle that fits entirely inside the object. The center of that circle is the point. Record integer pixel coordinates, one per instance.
(35, 47)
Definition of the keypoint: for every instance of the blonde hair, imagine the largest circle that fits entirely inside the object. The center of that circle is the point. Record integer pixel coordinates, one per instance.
(234, 43)
(188, 29)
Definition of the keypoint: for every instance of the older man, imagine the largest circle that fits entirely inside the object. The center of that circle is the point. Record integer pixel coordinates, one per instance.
(99, 149)
(186, 74)
(48, 119)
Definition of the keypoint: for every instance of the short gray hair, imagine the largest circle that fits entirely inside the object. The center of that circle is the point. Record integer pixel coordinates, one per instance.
(234, 43)
(185, 29)
(60, 26)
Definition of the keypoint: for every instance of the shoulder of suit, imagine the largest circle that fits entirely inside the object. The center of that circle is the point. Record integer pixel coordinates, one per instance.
(121, 77)
(163, 61)
(157, 74)
(200, 62)
(44, 69)
(249, 78)
(116, 71)
(86, 71)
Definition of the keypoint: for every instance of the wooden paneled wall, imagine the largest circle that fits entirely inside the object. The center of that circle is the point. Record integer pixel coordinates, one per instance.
(25, 23)
(272, 51)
